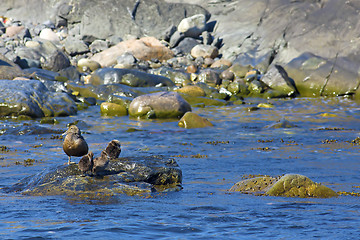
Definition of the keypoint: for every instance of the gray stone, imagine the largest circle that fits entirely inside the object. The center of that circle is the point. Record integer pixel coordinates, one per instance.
(193, 26)
(159, 105)
(75, 46)
(9, 70)
(186, 45)
(210, 77)
(49, 55)
(131, 77)
(31, 98)
(99, 45)
(176, 38)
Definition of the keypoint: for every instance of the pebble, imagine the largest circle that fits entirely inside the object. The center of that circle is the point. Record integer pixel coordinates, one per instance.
(48, 34)
(205, 51)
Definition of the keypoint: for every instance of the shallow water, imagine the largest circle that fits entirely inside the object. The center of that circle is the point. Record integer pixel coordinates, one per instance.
(212, 160)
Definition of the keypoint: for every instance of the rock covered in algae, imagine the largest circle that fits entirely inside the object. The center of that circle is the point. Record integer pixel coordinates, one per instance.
(192, 120)
(290, 185)
(296, 185)
(131, 176)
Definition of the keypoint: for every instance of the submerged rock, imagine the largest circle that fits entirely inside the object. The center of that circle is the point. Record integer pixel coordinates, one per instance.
(132, 175)
(31, 98)
(159, 105)
(290, 185)
(192, 120)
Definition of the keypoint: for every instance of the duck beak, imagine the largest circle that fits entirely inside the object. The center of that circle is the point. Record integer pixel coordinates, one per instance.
(66, 132)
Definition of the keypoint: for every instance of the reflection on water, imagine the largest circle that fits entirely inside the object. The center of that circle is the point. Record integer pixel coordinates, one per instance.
(212, 160)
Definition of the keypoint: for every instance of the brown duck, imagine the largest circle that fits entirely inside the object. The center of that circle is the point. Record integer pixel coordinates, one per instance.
(100, 163)
(74, 144)
(113, 149)
(86, 162)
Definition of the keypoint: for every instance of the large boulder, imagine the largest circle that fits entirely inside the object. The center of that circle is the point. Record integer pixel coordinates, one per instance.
(31, 98)
(100, 20)
(146, 48)
(289, 185)
(130, 77)
(9, 70)
(131, 176)
(49, 55)
(159, 105)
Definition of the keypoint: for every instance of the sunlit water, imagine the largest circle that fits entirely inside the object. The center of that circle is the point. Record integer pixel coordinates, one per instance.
(212, 160)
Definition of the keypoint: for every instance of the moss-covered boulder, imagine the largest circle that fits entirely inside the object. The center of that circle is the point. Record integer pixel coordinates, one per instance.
(192, 91)
(192, 120)
(205, 101)
(296, 185)
(131, 176)
(289, 185)
(112, 109)
(159, 105)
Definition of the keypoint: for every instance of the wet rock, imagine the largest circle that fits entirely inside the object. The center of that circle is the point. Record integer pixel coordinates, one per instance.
(193, 26)
(290, 185)
(131, 176)
(277, 79)
(9, 70)
(159, 105)
(178, 77)
(295, 185)
(210, 77)
(146, 48)
(255, 185)
(239, 70)
(131, 77)
(32, 98)
(227, 75)
(238, 87)
(103, 92)
(192, 90)
(205, 51)
(112, 109)
(52, 80)
(192, 120)
(315, 76)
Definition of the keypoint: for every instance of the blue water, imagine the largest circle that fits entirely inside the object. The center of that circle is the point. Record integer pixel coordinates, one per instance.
(203, 209)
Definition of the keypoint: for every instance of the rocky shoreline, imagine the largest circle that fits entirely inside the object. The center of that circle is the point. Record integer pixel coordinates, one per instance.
(158, 59)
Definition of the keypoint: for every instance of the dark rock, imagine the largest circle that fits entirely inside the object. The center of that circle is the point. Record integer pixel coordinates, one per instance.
(168, 33)
(50, 57)
(192, 120)
(32, 98)
(210, 77)
(131, 77)
(176, 38)
(131, 175)
(186, 45)
(159, 105)
(179, 77)
(9, 70)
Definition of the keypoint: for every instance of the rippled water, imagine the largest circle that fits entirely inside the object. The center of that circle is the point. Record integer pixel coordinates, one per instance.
(212, 160)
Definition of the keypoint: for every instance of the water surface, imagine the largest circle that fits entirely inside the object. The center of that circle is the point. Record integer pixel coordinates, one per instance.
(212, 160)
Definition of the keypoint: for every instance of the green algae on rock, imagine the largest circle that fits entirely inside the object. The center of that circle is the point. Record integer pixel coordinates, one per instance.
(296, 185)
(290, 185)
(159, 105)
(112, 109)
(192, 120)
(131, 176)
